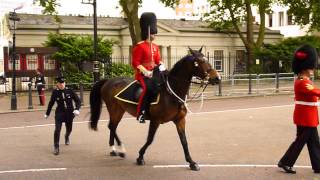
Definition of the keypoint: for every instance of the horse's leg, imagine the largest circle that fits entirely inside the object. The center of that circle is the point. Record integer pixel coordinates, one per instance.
(112, 128)
(152, 131)
(115, 118)
(180, 124)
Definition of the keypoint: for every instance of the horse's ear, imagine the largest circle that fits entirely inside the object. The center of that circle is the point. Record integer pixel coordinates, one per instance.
(200, 49)
(190, 50)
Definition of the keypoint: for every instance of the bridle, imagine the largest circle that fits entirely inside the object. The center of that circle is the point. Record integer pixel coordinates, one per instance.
(203, 84)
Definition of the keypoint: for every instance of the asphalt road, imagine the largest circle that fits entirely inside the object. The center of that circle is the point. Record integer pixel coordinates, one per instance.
(240, 138)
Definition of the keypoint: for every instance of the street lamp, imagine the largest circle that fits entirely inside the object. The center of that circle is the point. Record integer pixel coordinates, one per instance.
(14, 17)
(96, 74)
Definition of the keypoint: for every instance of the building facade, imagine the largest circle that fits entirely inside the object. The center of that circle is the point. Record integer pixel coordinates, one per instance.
(224, 50)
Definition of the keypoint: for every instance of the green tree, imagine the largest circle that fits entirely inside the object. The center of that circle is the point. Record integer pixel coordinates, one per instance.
(129, 7)
(305, 12)
(233, 15)
(283, 51)
(74, 50)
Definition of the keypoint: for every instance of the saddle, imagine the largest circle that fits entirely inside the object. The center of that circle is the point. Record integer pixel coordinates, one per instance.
(132, 92)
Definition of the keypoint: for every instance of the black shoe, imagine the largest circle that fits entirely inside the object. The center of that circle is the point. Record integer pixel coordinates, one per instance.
(317, 171)
(67, 141)
(141, 117)
(56, 151)
(287, 169)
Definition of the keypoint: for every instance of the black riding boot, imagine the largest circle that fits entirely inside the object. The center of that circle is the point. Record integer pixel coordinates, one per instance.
(141, 117)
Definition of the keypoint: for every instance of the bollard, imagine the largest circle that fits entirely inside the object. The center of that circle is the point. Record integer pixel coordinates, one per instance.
(30, 96)
(277, 82)
(258, 83)
(81, 94)
(220, 88)
(250, 84)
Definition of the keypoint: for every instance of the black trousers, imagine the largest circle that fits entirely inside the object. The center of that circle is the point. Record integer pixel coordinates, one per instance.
(151, 91)
(305, 135)
(64, 117)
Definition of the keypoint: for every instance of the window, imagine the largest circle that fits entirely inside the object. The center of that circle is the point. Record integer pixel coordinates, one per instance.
(218, 60)
(270, 20)
(281, 18)
(17, 62)
(32, 61)
(49, 63)
(290, 19)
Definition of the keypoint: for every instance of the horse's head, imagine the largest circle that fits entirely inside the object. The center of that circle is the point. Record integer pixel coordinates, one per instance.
(202, 68)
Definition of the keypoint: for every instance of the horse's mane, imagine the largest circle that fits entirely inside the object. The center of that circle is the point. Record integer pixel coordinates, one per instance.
(180, 64)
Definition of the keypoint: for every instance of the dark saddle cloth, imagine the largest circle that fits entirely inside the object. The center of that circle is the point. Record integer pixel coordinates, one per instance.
(132, 92)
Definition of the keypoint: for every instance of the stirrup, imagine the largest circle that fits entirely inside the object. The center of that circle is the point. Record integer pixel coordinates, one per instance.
(141, 118)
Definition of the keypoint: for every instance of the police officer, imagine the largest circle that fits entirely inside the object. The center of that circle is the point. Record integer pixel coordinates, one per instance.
(145, 57)
(65, 111)
(305, 112)
(40, 85)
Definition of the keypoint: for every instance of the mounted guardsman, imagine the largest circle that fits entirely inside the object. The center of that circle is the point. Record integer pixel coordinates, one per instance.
(305, 112)
(145, 57)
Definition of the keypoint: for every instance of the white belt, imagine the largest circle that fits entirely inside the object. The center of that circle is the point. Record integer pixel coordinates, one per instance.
(39, 83)
(307, 103)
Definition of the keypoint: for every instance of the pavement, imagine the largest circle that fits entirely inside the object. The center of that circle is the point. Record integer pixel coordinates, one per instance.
(23, 102)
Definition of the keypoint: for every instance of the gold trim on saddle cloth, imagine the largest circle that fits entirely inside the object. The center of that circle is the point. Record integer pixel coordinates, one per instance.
(132, 102)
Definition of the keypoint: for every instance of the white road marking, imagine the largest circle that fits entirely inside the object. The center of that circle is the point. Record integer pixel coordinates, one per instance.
(33, 170)
(190, 114)
(225, 165)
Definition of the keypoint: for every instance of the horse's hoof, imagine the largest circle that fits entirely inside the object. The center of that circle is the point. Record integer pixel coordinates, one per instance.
(113, 153)
(194, 167)
(140, 162)
(121, 154)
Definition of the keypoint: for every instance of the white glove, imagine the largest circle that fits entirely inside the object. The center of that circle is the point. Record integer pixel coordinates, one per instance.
(46, 116)
(147, 73)
(162, 68)
(76, 112)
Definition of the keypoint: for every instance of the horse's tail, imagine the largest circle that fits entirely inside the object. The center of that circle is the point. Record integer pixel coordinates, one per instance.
(95, 103)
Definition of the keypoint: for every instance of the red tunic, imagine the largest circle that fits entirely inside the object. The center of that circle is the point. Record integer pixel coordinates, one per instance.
(305, 115)
(141, 56)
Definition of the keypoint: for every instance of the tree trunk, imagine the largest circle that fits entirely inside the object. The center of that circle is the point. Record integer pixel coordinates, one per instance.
(130, 8)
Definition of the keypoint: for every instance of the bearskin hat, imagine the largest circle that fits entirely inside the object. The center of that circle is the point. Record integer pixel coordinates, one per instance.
(305, 57)
(148, 19)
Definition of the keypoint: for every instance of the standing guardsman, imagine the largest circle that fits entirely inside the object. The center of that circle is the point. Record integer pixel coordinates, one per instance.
(145, 57)
(65, 111)
(40, 84)
(305, 112)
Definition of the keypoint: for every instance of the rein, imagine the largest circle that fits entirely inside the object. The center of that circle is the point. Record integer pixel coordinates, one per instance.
(196, 95)
(179, 98)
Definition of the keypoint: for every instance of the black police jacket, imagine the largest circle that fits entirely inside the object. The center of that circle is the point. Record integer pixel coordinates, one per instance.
(64, 99)
(40, 82)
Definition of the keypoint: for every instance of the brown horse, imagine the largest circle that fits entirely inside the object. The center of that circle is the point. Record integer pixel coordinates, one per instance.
(171, 106)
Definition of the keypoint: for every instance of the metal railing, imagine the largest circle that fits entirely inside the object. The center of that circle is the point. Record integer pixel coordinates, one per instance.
(238, 84)
(232, 85)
